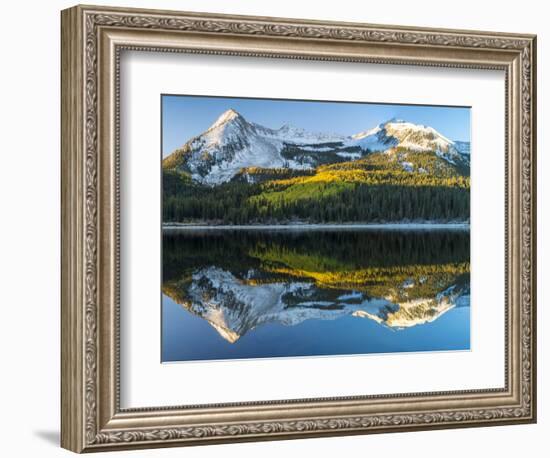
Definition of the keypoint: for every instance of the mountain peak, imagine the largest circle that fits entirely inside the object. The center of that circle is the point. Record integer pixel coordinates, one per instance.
(394, 121)
(226, 116)
(378, 129)
(287, 127)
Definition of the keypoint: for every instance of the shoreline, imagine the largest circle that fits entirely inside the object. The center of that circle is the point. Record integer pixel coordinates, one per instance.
(277, 227)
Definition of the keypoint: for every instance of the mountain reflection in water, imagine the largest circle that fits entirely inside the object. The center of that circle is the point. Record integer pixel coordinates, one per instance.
(239, 281)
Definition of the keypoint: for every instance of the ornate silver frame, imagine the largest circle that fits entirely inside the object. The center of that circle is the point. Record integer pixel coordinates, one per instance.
(92, 39)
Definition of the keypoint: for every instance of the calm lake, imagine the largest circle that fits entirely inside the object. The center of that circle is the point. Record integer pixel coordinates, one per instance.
(260, 293)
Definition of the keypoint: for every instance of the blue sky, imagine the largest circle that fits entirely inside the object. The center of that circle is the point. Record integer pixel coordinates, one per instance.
(185, 116)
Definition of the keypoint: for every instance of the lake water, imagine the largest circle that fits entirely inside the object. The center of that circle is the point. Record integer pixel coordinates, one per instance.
(231, 294)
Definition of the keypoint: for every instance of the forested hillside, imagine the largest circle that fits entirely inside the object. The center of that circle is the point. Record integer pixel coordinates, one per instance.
(367, 190)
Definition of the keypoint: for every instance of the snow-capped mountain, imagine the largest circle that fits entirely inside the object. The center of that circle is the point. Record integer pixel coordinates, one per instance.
(409, 136)
(232, 144)
(233, 307)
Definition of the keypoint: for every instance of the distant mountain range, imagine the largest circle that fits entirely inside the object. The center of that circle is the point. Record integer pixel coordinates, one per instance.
(233, 145)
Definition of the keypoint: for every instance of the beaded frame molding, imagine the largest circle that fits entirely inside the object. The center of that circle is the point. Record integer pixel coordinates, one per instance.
(92, 41)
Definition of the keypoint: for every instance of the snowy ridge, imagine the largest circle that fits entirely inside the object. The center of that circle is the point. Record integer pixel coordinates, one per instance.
(368, 133)
(297, 135)
(413, 137)
(232, 143)
(376, 139)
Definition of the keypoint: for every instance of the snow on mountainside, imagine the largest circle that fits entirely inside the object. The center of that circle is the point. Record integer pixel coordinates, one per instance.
(232, 143)
(413, 137)
(463, 147)
(297, 135)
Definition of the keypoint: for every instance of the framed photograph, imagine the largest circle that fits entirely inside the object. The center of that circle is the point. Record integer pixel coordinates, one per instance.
(278, 228)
